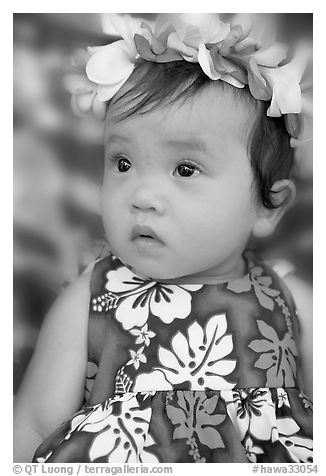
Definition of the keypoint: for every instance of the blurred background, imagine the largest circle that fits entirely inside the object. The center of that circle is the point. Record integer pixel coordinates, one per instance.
(58, 163)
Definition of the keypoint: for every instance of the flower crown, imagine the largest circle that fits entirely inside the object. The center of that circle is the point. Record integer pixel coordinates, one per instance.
(225, 51)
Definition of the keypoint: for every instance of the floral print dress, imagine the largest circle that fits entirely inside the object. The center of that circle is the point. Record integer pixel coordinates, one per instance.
(188, 373)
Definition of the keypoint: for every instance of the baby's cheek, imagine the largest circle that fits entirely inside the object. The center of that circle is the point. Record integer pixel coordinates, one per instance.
(228, 219)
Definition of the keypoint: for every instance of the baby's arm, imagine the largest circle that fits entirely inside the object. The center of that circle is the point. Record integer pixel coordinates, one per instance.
(53, 386)
(302, 295)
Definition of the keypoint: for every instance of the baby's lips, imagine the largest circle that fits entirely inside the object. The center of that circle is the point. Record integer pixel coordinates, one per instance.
(143, 231)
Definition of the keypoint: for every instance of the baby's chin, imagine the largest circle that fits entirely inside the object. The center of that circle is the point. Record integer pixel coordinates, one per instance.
(147, 272)
(154, 275)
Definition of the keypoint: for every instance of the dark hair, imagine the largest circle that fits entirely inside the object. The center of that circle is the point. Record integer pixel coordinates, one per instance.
(153, 85)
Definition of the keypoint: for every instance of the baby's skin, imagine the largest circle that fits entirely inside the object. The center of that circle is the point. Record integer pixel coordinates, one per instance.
(179, 206)
(183, 171)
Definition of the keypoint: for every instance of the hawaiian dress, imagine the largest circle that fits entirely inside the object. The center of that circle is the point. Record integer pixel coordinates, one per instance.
(188, 373)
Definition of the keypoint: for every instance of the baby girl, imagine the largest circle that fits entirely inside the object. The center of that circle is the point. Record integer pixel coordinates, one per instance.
(199, 350)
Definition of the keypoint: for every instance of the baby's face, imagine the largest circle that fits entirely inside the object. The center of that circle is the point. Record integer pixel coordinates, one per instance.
(177, 189)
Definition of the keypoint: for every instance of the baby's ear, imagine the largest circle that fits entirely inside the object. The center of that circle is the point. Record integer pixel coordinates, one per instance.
(282, 197)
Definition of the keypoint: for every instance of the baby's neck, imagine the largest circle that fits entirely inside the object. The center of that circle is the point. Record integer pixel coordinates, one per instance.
(238, 270)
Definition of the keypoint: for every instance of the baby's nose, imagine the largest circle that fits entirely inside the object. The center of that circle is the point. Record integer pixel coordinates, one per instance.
(147, 199)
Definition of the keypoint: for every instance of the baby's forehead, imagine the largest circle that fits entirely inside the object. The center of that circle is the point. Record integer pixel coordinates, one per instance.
(209, 115)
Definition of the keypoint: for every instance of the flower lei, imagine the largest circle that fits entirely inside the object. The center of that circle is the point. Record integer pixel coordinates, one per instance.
(225, 51)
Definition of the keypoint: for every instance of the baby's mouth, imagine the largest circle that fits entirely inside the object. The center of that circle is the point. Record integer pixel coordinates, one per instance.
(145, 234)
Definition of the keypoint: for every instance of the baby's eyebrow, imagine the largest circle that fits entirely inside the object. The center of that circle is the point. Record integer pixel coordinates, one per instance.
(190, 143)
(117, 138)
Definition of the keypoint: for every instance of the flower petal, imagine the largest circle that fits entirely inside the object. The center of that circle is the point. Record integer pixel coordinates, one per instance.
(99, 108)
(244, 20)
(84, 101)
(206, 27)
(176, 44)
(235, 35)
(73, 82)
(126, 26)
(75, 108)
(110, 65)
(228, 78)
(187, 31)
(206, 62)
(287, 426)
(284, 81)
(257, 84)
(286, 96)
(247, 46)
(191, 287)
(130, 316)
(178, 307)
(271, 56)
(80, 58)
(122, 279)
(144, 49)
(153, 380)
(261, 424)
(107, 91)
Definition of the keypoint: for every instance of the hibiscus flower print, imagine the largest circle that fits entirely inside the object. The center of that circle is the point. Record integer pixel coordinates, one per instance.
(299, 447)
(252, 412)
(260, 283)
(194, 414)
(137, 297)
(277, 356)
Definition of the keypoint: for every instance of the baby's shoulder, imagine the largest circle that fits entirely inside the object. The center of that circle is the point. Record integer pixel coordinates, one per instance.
(65, 324)
(302, 295)
(300, 290)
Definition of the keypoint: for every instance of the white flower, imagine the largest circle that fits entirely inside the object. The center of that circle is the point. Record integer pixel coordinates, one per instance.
(138, 297)
(282, 398)
(284, 82)
(84, 92)
(252, 411)
(137, 357)
(111, 65)
(143, 334)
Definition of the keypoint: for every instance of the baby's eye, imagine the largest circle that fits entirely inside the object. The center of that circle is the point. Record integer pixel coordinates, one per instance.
(123, 164)
(186, 170)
